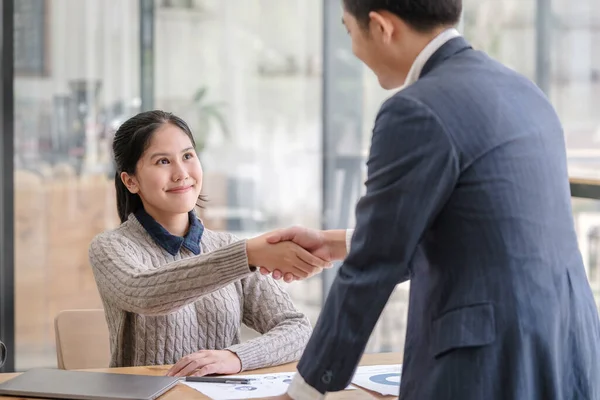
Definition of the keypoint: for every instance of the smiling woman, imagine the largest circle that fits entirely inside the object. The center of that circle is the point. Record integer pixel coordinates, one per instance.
(175, 292)
(167, 180)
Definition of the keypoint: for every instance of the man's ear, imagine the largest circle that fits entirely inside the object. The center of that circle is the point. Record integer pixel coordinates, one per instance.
(130, 182)
(381, 25)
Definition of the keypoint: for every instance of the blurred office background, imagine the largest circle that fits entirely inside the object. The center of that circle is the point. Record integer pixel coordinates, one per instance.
(281, 110)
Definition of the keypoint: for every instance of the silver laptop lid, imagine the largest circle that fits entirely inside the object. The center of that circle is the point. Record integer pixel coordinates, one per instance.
(61, 384)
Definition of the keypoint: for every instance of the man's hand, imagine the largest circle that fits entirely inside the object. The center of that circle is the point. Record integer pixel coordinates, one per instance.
(285, 256)
(207, 362)
(326, 245)
(312, 240)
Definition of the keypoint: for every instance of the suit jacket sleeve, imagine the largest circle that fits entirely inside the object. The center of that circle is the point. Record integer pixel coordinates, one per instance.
(412, 170)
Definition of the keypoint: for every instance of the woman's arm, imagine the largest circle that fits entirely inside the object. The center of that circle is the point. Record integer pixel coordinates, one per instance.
(123, 278)
(269, 310)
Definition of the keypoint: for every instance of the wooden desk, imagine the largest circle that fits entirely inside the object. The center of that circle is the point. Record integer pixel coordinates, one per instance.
(182, 392)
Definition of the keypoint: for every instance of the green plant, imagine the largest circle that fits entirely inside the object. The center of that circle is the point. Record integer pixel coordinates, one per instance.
(207, 114)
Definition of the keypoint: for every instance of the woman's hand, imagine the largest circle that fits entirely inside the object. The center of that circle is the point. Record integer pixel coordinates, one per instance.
(207, 362)
(287, 257)
(327, 245)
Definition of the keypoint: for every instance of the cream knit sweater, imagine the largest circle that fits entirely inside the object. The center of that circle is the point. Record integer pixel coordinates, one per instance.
(160, 307)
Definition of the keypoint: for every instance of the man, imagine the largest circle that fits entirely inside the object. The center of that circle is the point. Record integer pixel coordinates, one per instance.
(467, 196)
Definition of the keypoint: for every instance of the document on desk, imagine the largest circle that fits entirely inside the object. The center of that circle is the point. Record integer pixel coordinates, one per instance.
(260, 386)
(384, 379)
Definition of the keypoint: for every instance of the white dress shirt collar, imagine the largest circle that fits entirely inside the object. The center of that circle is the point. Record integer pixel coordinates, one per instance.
(426, 53)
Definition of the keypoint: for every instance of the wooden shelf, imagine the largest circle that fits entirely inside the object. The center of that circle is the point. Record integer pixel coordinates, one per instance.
(586, 188)
(584, 181)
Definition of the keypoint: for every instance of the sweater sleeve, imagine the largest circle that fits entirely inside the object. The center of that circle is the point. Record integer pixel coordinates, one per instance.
(269, 310)
(125, 281)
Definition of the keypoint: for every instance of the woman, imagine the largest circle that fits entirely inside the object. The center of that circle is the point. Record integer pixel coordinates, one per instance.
(175, 292)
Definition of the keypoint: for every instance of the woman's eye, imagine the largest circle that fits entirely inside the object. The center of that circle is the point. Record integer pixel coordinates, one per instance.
(188, 156)
(162, 161)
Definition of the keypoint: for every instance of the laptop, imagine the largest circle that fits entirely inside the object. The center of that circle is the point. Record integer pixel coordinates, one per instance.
(61, 384)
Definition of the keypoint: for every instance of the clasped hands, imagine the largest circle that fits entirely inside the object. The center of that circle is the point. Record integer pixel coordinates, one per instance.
(294, 253)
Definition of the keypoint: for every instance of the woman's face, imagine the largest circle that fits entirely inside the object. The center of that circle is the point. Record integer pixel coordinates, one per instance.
(168, 176)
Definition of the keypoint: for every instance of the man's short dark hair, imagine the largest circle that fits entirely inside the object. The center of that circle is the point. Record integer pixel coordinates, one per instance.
(421, 15)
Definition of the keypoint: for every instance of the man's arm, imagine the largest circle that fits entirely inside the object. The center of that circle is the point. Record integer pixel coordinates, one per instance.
(348, 233)
(412, 170)
(336, 240)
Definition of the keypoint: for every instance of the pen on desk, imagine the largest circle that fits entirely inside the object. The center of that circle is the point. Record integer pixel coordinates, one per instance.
(208, 379)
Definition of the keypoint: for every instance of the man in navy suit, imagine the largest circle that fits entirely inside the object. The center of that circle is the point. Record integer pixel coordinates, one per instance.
(467, 196)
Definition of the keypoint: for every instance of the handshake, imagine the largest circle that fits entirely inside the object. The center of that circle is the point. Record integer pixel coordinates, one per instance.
(296, 253)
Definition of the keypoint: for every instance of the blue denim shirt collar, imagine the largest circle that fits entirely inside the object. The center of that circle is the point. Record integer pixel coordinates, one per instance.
(172, 243)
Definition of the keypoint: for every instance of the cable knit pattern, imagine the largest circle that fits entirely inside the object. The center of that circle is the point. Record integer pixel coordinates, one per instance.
(161, 307)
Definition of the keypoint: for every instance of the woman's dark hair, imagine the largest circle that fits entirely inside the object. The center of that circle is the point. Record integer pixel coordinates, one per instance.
(130, 141)
(422, 15)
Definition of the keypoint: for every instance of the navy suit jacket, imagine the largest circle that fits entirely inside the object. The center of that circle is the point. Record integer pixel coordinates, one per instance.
(467, 195)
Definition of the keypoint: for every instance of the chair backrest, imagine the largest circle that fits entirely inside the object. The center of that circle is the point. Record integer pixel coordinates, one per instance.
(82, 339)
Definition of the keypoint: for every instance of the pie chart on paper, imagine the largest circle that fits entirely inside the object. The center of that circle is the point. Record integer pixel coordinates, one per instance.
(383, 379)
(386, 379)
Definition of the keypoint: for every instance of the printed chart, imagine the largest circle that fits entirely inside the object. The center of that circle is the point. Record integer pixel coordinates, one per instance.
(260, 386)
(384, 379)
